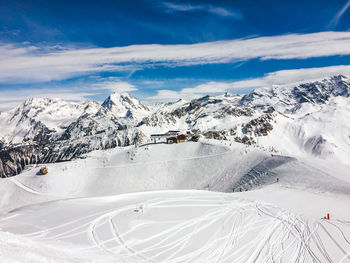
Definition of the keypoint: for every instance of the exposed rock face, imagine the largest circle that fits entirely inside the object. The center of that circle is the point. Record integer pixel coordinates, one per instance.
(256, 127)
(245, 139)
(217, 135)
(259, 126)
(13, 160)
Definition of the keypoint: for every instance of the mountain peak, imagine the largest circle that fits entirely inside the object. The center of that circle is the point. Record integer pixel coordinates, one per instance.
(124, 105)
(40, 101)
(120, 94)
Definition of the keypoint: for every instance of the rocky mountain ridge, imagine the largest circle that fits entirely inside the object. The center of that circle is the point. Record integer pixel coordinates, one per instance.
(289, 99)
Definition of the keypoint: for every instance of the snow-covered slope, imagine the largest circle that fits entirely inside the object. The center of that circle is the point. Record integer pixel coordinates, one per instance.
(173, 226)
(322, 131)
(278, 220)
(19, 249)
(124, 170)
(207, 165)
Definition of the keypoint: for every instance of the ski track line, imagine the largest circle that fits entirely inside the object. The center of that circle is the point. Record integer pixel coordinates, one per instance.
(176, 228)
(122, 243)
(340, 230)
(27, 188)
(95, 240)
(186, 238)
(299, 236)
(158, 244)
(203, 250)
(237, 253)
(33, 191)
(233, 235)
(68, 223)
(187, 223)
(335, 241)
(94, 223)
(229, 238)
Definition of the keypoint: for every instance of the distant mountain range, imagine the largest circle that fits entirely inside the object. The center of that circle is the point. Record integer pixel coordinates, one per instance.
(311, 118)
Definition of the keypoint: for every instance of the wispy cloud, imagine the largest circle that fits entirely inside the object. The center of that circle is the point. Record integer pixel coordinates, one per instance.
(23, 65)
(334, 22)
(282, 77)
(171, 7)
(115, 86)
(11, 51)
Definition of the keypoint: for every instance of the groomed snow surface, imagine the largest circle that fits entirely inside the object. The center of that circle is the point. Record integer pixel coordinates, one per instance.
(108, 207)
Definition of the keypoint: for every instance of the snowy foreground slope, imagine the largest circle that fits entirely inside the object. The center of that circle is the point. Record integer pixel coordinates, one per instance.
(176, 226)
(73, 215)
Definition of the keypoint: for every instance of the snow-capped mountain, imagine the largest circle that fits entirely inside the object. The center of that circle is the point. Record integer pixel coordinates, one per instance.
(125, 106)
(308, 118)
(289, 99)
(207, 113)
(49, 130)
(38, 115)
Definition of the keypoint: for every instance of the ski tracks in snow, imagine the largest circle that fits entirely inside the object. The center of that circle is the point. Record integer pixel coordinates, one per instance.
(196, 227)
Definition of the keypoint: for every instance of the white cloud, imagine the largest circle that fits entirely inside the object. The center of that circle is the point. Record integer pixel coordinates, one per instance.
(210, 87)
(166, 95)
(334, 22)
(10, 51)
(170, 7)
(292, 76)
(117, 86)
(21, 65)
(282, 77)
(4, 106)
(155, 83)
(220, 11)
(10, 95)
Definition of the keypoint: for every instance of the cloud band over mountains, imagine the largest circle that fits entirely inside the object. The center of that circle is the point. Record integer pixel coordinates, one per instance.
(28, 64)
(281, 77)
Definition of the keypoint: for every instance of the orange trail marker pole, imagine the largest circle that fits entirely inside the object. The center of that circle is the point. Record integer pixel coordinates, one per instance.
(328, 216)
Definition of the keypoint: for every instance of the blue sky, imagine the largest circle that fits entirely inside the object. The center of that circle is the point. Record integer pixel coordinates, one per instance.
(164, 50)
